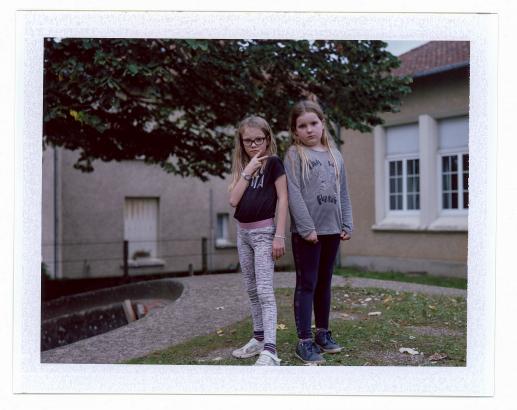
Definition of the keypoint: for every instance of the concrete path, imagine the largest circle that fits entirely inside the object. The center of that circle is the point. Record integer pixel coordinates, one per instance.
(206, 304)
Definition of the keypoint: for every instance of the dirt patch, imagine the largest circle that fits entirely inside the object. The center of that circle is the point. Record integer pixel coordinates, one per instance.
(217, 355)
(343, 316)
(392, 359)
(434, 331)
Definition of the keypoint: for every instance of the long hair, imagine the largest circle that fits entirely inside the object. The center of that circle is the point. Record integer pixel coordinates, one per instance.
(300, 108)
(240, 157)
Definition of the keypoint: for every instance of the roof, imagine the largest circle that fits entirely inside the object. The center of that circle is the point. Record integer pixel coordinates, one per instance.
(434, 57)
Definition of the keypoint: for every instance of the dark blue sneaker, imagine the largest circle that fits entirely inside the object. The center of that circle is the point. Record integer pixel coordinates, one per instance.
(305, 351)
(316, 348)
(325, 342)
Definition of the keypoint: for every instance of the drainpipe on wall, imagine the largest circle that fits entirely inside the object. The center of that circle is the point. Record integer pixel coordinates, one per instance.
(57, 216)
(212, 247)
(56, 222)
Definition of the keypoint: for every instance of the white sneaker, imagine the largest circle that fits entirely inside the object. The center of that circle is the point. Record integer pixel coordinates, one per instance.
(250, 349)
(267, 358)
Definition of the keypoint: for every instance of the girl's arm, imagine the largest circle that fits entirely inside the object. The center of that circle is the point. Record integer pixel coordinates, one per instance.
(347, 225)
(297, 206)
(241, 185)
(238, 190)
(279, 240)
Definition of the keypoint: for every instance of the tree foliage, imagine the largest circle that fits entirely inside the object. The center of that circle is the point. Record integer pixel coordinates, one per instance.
(175, 102)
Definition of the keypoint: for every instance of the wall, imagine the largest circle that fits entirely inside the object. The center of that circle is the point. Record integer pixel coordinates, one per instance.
(92, 212)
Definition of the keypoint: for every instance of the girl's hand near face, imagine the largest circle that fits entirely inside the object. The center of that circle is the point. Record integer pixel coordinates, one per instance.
(254, 164)
(312, 237)
(278, 248)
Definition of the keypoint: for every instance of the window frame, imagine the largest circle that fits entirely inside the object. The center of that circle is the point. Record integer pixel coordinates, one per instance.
(404, 211)
(458, 152)
(430, 217)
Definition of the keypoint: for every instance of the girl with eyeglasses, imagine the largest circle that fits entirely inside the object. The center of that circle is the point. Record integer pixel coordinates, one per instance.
(258, 184)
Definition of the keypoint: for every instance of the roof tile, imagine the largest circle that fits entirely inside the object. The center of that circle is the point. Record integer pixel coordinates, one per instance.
(433, 55)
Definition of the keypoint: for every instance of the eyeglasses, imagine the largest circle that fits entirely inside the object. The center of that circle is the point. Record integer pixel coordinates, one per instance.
(258, 141)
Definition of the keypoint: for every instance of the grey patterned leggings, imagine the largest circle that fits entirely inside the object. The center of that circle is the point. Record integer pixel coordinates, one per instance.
(255, 255)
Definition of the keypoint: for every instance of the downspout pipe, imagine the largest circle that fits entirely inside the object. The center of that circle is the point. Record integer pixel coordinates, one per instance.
(56, 217)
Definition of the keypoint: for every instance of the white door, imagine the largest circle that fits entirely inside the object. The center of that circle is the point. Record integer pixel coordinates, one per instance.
(141, 227)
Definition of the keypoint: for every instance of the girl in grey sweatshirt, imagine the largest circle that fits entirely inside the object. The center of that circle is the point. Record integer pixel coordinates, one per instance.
(321, 217)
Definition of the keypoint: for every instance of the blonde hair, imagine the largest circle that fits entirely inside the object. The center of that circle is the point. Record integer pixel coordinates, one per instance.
(310, 106)
(240, 157)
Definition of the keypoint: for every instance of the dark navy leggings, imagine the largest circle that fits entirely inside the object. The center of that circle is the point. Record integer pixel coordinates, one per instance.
(314, 267)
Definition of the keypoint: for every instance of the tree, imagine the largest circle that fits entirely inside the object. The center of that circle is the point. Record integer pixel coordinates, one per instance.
(174, 102)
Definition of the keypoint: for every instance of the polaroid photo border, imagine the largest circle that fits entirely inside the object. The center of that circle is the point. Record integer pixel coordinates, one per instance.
(475, 379)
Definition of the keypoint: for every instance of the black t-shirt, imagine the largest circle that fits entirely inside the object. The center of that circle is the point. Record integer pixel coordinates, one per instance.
(259, 200)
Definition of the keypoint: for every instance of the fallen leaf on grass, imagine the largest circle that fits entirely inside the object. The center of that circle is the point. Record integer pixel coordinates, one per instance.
(374, 313)
(437, 356)
(408, 350)
(432, 307)
(387, 300)
(281, 326)
(220, 332)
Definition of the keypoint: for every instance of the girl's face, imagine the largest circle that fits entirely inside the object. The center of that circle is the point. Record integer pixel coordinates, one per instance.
(254, 141)
(309, 129)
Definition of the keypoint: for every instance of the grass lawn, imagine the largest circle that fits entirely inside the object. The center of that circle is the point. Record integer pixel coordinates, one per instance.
(427, 324)
(424, 279)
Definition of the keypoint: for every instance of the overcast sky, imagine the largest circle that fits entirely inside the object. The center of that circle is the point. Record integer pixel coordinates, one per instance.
(400, 47)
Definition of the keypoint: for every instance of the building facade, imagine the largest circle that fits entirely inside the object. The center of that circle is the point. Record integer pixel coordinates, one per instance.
(409, 177)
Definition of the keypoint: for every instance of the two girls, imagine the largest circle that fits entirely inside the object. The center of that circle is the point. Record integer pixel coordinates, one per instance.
(321, 216)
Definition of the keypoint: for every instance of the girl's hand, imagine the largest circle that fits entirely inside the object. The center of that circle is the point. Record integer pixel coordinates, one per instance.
(312, 237)
(278, 248)
(254, 164)
(345, 236)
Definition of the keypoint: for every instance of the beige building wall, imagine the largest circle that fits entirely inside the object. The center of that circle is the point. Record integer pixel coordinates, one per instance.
(434, 252)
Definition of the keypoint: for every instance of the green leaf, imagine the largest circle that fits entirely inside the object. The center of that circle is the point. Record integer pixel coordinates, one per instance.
(132, 68)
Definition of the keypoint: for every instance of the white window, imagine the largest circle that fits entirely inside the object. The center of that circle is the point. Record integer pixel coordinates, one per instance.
(222, 237)
(141, 227)
(454, 164)
(421, 175)
(454, 188)
(404, 185)
(403, 174)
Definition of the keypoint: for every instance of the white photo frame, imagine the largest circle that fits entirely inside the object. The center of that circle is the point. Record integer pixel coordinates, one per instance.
(475, 379)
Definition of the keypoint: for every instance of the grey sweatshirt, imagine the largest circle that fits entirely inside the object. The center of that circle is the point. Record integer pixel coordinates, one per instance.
(314, 203)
